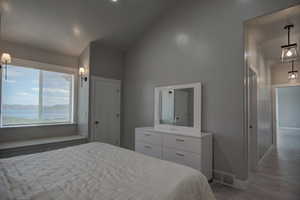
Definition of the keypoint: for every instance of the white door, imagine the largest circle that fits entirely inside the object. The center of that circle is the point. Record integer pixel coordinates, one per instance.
(106, 110)
(252, 131)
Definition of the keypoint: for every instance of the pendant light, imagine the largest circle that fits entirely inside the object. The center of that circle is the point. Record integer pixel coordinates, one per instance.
(5, 57)
(293, 75)
(289, 52)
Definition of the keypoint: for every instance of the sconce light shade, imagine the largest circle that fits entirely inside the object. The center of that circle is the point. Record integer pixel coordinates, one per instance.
(81, 71)
(5, 58)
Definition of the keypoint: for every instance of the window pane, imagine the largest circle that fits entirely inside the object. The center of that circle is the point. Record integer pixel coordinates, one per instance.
(57, 97)
(33, 96)
(20, 96)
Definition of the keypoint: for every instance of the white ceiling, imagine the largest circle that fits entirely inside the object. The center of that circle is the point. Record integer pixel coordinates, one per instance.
(272, 34)
(67, 26)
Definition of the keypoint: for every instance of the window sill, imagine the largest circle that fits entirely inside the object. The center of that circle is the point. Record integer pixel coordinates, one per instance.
(36, 125)
(28, 143)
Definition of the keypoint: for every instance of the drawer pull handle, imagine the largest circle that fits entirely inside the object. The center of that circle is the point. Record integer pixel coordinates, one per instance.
(148, 147)
(180, 154)
(179, 140)
(147, 134)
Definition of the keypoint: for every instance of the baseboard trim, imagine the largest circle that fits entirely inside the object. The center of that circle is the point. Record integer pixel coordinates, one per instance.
(289, 128)
(230, 180)
(241, 184)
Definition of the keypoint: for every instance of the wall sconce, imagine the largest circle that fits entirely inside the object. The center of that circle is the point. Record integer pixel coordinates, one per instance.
(5, 60)
(82, 73)
(5, 57)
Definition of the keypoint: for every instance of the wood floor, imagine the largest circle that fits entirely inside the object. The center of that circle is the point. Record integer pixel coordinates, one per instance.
(278, 176)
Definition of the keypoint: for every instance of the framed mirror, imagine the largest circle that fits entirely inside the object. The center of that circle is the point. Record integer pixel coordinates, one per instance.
(178, 107)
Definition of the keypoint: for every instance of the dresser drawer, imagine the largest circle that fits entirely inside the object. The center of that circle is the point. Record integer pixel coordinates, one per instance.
(189, 144)
(148, 137)
(148, 149)
(182, 157)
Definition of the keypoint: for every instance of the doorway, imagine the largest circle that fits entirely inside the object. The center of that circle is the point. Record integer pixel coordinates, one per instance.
(105, 107)
(286, 111)
(252, 129)
(265, 37)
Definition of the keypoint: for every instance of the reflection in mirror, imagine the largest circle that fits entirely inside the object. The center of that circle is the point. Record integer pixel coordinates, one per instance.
(166, 106)
(184, 107)
(177, 107)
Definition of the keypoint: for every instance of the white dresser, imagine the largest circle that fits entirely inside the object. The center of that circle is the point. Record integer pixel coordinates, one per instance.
(190, 149)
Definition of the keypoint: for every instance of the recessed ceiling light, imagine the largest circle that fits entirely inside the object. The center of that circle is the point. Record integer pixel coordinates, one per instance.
(114, 1)
(76, 31)
(182, 39)
(5, 6)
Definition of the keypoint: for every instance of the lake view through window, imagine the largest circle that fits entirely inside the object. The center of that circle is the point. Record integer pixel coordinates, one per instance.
(34, 96)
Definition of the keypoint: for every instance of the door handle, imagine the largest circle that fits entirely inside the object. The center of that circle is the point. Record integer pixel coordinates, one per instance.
(179, 140)
(180, 154)
(250, 126)
(96, 122)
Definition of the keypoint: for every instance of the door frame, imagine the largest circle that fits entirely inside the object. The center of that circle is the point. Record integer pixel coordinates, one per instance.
(275, 107)
(104, 80)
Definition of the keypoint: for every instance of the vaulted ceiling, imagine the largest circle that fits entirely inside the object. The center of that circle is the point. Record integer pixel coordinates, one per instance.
(67, 26)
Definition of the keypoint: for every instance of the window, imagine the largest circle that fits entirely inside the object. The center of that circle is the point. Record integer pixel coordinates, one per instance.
(32, 96)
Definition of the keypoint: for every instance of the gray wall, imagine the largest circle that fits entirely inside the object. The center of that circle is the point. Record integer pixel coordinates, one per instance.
(30, 53)
(106, 61)
(40, 55)
(197, 41)
(289, 107)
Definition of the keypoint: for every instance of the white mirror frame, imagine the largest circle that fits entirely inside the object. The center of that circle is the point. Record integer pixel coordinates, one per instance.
(197, 108)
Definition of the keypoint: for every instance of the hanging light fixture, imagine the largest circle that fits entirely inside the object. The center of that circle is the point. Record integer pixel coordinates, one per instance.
(293, 75)
(5, 57)
(289, 52)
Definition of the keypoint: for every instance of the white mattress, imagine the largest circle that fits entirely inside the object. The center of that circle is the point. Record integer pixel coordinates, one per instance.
(99, 171)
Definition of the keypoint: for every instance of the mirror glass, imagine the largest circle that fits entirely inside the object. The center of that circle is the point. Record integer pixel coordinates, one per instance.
(177, 107)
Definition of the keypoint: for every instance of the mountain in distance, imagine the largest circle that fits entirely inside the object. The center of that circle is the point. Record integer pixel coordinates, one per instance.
(33, 107)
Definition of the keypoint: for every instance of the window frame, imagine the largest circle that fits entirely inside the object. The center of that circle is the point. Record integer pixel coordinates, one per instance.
(50, 68)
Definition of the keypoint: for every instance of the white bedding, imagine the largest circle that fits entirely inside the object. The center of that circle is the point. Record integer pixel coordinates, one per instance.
(100, 172)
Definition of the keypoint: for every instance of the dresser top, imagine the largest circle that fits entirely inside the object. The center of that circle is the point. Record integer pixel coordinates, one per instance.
(175, 132)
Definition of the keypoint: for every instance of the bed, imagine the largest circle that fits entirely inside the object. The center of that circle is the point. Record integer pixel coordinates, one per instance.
(98, 171)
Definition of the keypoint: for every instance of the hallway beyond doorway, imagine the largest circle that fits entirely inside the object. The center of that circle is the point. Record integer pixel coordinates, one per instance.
(278, 176)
